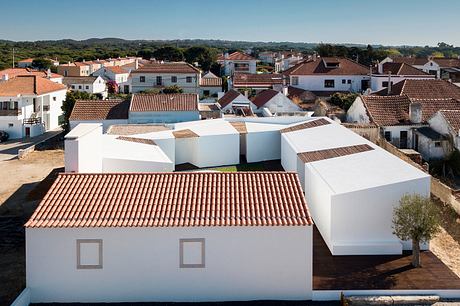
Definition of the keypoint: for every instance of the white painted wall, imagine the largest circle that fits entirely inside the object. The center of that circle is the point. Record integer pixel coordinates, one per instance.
(218, 150)
(142, 264)
(150, 81)
(83, 151)
(316, 82)
(105, 123)
(288, 155)
(163, 117)
(357, 112)
(279, 104)
(120, 165)
(438, 123)
(262, 146)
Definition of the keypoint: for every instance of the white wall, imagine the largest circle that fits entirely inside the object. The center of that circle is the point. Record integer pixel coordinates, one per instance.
(261, 146)
(316, 82)
(357, 113)
(163, 117)
(105, 123)
(288, 155)
(79, 158)
(218, 150)
(150, 81)
(142, 264)
(279, 104)
(116, 165)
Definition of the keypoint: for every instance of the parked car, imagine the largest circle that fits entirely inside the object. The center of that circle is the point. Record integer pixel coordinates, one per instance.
(4, 136)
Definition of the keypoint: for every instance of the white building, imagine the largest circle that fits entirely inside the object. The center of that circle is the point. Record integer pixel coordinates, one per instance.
(390, 73)
(161, 75)
(237, 62)
(10, 73)
(432, 65)
(164, 108)
(88, 84)
(176, 252)
(30, 105)
(447, 123)
(210, 85)
(233, 100)
(351, 186)
(329, 75)
(274, 101)
(117, 74)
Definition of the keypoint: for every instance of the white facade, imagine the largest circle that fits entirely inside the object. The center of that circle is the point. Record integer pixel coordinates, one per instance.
(142, 264)
(105, 123)
(99, 86)
(163, 117)
(380, 81)
(278, 104)
(439, 124)
(189, 82)
(262, 142)
(351, 83)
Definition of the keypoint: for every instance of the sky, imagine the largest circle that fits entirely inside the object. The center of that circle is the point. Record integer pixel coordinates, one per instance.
(387, 22)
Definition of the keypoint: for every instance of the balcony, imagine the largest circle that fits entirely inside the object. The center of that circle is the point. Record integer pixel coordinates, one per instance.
(10, 112)
(32, 120)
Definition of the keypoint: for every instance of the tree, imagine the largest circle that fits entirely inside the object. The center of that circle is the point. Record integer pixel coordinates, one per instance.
(204, 56)
(42, 63)
(69, 102)
(172, 89)
(168, 53)
(112, 87)
(416, 218)
(343, 100)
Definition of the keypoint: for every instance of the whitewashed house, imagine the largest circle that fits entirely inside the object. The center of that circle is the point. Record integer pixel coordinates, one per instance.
(274, 101)
(237, 62)
(328, 75)
(117, 74)
(447, 123)
(210, 85)
(10, 73)
(390, 73)
(89, 84)
(432, 65)
(164, 108)
(257, 82)
(30, 105)
(233, 100)
(161, 75)
(105, 112)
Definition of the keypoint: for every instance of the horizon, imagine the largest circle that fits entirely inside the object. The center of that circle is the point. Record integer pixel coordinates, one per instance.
(292, 21)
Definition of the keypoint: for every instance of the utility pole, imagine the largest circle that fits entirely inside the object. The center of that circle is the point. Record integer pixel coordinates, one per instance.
(13, 57)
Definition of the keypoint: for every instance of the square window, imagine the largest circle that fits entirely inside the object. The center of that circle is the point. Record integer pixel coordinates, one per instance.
(192, 253)
(189, 79)
(87, 87)
(174, 79)
(349, 81)
(329, 83)
(89, 253)
(79, 86)
(295, 80)
(10, 125)
(159, 80)
(344, 81)
(388, 135)
(437, 144)
(54, 98)
(142, 79)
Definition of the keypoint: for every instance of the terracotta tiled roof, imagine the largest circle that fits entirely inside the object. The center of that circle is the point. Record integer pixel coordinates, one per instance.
(117, 70)
(137, 140)
(164, 102)
(236, 56)
(402, 69)
(264, 96)
(99, 110)
(228, 97)
(211, 82)
(79, 80)
(302, 94)
(27, 60)
(418, 61)
(28, 85)
(177, 67)
(424, 89)
(173, 200)
(186, 133)
(447, 62)
(133, 129)
(312, 156)
(453, 118)
(257, 80)
(14, 72)
(318, 67)
(306, 125)
(240, 126)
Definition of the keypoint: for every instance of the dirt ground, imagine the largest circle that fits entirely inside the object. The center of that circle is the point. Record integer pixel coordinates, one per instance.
(23, 184)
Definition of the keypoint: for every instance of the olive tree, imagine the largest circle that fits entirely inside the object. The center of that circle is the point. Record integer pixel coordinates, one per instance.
(416, 218)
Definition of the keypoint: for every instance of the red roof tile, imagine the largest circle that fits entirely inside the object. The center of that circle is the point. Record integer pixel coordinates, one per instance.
(164, 102)
(14, 72)
(84, 110)
(418, 61)
(264, 96)
(312, 156)
(173, 200)
(228, 97)
(453, 119)
(424, 89)
(137, 140)
(116, 70)
(211, 82)
(177, 67)
(28, 85)
(236, 56)
(402, 69)
(318, 67)
(305, 125)
(265, 80)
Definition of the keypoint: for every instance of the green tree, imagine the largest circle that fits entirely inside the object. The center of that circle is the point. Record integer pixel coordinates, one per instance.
(417, 219)
(42, 63)
(168, 53)
(437, 54)
(172, 89)
(343, 100)
(204, 56)
(69, 103)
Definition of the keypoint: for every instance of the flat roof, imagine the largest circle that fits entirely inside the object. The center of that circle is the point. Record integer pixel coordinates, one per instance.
(82, 129)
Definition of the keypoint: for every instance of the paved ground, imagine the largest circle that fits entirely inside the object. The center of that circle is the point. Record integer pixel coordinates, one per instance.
(9, 149)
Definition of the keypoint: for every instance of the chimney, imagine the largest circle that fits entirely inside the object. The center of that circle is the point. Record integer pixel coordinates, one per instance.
(380, 67)
(136, 63)
(5, 77)
(226, 55)
(285, 91)
(415, 112)
(314, 56)
(389, 84)
(48, 73)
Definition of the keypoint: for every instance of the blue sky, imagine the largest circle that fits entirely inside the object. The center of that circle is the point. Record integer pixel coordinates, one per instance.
(389, 22)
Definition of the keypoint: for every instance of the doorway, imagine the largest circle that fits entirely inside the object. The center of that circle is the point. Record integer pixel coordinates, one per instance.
(27, 129)
(403, 140)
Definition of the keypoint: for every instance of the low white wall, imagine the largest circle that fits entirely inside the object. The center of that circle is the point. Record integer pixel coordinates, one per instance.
(83, 154)
(23, 298)
(288, 155)
(112, 165)
(186, 151)
(105, 123)
(142, 264)
(335, 295)
(218, 150)
(261, 146)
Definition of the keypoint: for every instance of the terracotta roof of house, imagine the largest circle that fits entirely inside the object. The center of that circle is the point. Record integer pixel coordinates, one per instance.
(27, 60)
(137, 140)
(81, 64)
(186, 133)
(305, 125)
(240, 126)
(14, 72)
(211, 82)
(173, 200)
(402, 69)
(423, 89)
(117, 70)
(418, 61)
(164, 102)
(28, 85)
(236, 56)
(394, 110)
(302, 94)
(453, 119)
(79, 80)
(264, 96)
(176, 67)
(312, 156)
(257, 80)
(447, 62)
(318, 67)
(99, 110)
(228, 97)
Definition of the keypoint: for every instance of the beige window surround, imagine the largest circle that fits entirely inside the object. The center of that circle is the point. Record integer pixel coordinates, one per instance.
(181, 253)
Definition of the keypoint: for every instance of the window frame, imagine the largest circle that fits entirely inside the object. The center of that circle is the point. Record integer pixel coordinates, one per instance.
(189, 79)
(159, 80)
(330, 81)
(295, 80)
(181, 253)
(142, 79)
(100, 253)
(173, 79)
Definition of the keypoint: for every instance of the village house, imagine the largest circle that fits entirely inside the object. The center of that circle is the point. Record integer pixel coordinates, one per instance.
(164, 108)
(89, 84)
(389, 73)
(25, 63)
(447, 123)
(232, 101)
(161, 75)
(10, 73)
(237, 62)
(117, 74)
(327, 75)
(30, 105)
(273, 102)
(286, 59)
(267, 57)
(256, 82)
(74, 69)
(105, 112)
(440, 67)
(210, 85)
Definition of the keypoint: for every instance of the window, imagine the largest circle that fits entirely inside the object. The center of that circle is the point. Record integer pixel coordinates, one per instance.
(206, 93)
(329, 83)
(15, 106)
(159, 80)
(142, 79)
(54, 98)
(89, 253)
(173, 79)
(5, 105)
(388, 135)
(189, 79)
(65, 73)
(73, 86)
(10, 125)
(191, 253)
(295, 80)
(385, 84)
(437, 144)
(87, 87)
(349, 82)
(344, 81)
(79, 86)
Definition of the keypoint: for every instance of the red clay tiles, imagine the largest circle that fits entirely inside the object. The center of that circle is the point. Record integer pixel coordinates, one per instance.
(164, 102)
(312, 156)
(306, 125)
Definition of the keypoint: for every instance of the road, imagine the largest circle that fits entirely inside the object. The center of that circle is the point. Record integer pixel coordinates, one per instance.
(9, 149)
